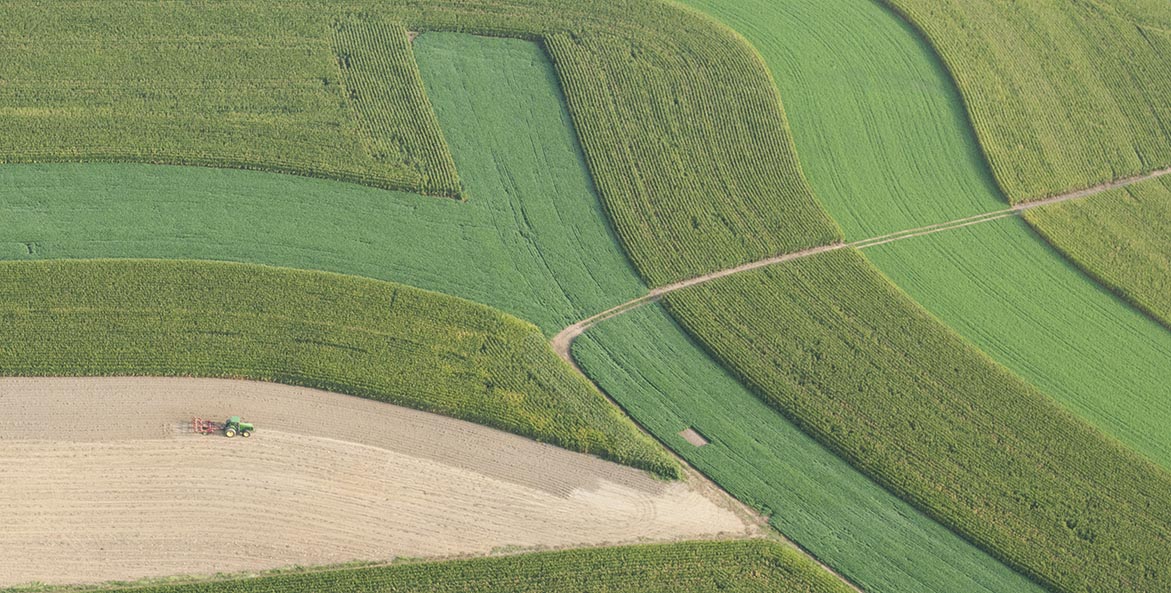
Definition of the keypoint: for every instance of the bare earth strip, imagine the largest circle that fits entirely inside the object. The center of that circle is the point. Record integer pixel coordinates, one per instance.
(562, 343)
(101, 479)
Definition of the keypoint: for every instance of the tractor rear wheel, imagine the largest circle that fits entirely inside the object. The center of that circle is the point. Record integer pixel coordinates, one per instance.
(230, 432)
(246, 433)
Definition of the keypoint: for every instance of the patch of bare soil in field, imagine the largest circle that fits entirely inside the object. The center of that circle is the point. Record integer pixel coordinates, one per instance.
(101, 479)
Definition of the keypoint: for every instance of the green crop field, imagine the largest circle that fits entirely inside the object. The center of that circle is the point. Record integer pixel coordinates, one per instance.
(860, 366)
(696, 567)
(532, 238)
(1063, 95)
(879, 127)
(1011, 295)
(671, 110)
(1122, 238)
(667, 383)
(969, 412)
(350, 335)
(252, 87)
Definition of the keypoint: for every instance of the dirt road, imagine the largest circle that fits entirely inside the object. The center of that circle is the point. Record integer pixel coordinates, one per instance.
(100, 479)
(562, 343)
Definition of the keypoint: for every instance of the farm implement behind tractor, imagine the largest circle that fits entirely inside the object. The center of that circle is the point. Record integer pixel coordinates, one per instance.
(231, 428)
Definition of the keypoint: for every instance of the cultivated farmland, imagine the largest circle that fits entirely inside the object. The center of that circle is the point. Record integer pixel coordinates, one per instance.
(378, 340)
(1063, 95)
(671, 109)
(251, 87)
(532, 244)
(649, 365)
(860, 366)
(878, 125)
(697, 567)
(1010, 294)
(1122, 237)
(552, 159)
(327, 479)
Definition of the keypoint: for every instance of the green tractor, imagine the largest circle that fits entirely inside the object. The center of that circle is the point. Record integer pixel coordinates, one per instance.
(235, 427)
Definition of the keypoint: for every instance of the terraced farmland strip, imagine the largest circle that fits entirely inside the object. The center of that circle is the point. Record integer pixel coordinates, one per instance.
(1122, 238)
(1005, 290)
(695, 567)
(1063, 95)
(667, 383)
(532, 239)
(682, 129)
(879, 126)
(833, 345)
(361, 337)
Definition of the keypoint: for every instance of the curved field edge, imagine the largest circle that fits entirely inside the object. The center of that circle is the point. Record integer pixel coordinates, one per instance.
(860, 366)
(680, 125)
(1062, 97)
(668, 384)
(697, 567)
(361, 337)
(1122, 238)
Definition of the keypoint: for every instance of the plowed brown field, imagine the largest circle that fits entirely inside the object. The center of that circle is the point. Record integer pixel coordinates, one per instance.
(101, 479)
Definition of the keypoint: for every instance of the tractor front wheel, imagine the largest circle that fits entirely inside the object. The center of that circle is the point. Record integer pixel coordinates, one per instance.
(230, 432)
(246, 433)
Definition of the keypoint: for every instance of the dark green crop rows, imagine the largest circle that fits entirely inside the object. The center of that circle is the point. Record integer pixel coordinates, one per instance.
(350, 335)
(700, 567)
(836, 347)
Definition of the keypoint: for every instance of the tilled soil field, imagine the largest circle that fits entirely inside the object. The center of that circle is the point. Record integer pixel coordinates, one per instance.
(101, 479)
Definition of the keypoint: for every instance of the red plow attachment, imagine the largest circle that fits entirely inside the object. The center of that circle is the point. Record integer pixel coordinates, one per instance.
(201, 426)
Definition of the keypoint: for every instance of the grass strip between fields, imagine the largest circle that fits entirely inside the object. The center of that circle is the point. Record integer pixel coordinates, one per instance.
(857, 364)
(753, 566)
(362, 337)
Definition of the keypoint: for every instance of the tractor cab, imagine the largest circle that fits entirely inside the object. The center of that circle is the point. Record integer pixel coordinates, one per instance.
(234, 426)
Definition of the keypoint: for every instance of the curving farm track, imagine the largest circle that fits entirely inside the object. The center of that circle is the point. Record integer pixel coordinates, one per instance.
(102, 480)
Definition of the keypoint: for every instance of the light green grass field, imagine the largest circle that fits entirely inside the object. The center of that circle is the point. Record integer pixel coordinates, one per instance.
(1008, 292)
(879, 127)
(531, 240)
(667, 383)
(1122, 238)
(695, 567)
(1064, 95)
(860, 366)
(344, 334)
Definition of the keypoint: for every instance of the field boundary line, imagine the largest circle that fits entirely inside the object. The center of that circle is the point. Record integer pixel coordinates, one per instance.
(562, 342)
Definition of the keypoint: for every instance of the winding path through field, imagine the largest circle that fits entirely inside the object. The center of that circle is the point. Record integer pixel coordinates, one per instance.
(562, 343)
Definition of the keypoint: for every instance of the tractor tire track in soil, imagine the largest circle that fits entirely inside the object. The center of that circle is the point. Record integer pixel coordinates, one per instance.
(103, 480)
